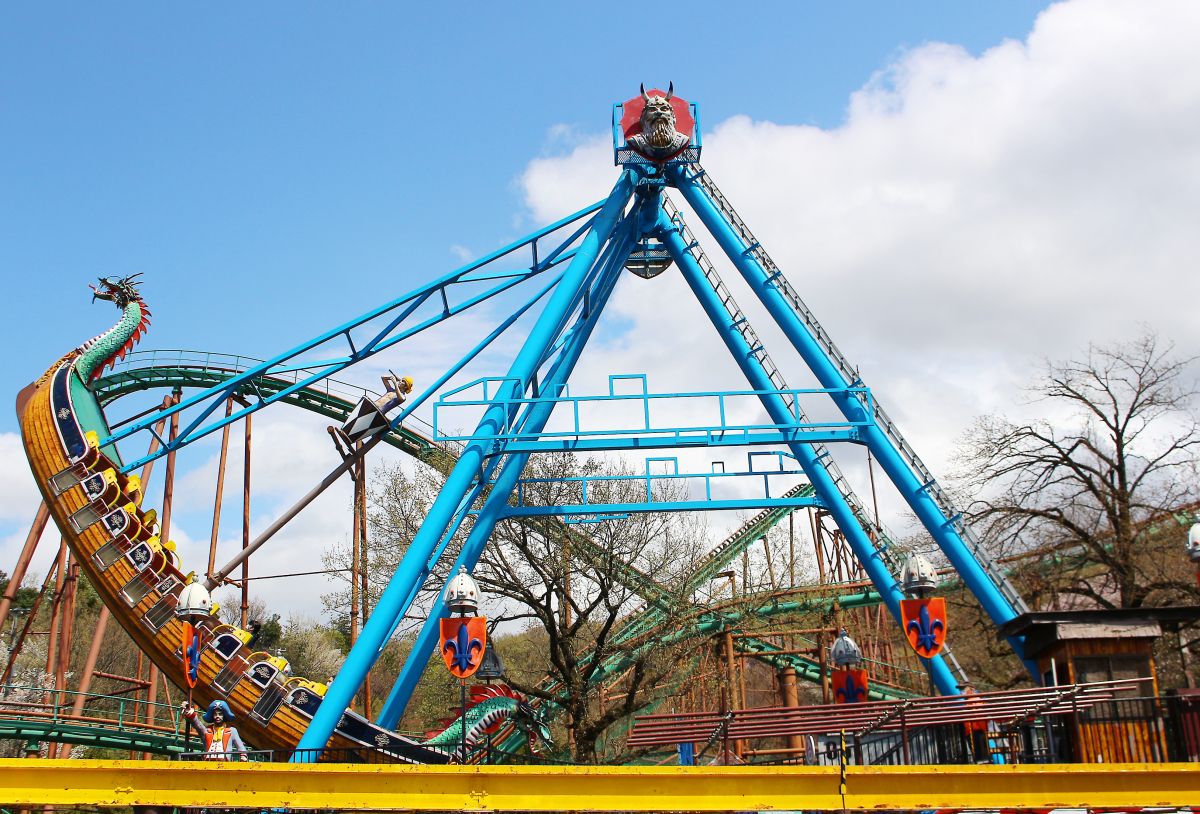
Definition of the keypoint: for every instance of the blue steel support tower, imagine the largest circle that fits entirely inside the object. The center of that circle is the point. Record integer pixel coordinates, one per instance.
(657, 142)
(416, 564)
(669, 231)
(654, 219)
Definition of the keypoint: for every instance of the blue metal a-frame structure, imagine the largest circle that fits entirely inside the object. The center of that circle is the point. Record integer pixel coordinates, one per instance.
(638, 218)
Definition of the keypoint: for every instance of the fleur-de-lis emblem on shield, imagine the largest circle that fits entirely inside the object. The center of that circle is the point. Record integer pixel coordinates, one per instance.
(924, 624)
(463, 643)
(849, 686)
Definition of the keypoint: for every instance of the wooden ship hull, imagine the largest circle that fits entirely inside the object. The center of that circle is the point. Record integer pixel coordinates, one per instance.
(96, 508)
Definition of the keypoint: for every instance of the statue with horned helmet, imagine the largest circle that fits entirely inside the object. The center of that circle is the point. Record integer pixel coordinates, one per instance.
(659, 139)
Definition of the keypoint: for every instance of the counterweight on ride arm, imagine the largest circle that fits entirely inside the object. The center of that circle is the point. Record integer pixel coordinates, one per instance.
(370, 415)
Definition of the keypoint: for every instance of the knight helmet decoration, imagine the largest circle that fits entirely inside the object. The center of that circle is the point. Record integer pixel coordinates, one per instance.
(924, 617)
(848, 679)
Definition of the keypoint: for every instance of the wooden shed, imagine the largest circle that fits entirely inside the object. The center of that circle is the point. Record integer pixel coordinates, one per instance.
(1085, 646)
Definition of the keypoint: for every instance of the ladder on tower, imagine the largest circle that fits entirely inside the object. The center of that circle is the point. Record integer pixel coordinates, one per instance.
(755, 248)
(883, 542)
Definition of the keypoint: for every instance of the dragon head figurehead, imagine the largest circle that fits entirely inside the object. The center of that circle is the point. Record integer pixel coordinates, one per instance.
(119, 290)
(112, 345)
(531, 722)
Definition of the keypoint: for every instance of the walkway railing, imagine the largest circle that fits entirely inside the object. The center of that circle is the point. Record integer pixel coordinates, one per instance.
(49, 711)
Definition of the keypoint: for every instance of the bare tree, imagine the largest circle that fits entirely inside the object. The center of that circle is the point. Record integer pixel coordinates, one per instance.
(398, 501)
(1091, 493)
(579, 591)
(573, 586)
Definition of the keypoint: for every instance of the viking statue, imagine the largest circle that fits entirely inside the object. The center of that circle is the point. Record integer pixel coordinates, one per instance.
(658, 139)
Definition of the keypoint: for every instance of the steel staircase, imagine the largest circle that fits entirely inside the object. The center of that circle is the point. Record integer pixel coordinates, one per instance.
(850, 374)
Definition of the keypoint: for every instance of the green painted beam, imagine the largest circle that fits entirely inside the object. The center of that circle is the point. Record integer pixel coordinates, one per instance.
(97, 735)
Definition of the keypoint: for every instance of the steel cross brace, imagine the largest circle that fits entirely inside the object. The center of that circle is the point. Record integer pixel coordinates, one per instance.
(612, 510)
(416, 563)
(397, 313)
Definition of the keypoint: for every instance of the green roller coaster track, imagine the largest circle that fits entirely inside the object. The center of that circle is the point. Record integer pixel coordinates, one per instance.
(178, 369)
(107, 721)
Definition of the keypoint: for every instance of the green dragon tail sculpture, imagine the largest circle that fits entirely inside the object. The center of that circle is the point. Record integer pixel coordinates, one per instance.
(491, 706)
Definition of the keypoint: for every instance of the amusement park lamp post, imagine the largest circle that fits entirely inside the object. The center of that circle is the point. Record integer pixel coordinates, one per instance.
(463, 639)
(922, 616)
(195, 604)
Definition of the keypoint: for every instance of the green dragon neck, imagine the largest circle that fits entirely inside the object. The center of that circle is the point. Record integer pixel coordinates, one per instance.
(105, 348)
(451, 735)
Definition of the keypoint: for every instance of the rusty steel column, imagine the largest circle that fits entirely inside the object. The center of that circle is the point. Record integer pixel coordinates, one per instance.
(67, 627)
(824, 668)
(216, 521)
(65, 639)
(792, 549)
(151, 699)
(789, 696)
(354, 556)
(770, 564)
(85, 681)
(18, 574)
(246, 523)
(730, 678)
(52, 645)
(361, 511)
(814, 523)
(56, 608)
(137, 701)
(89, 668)
(164, 531)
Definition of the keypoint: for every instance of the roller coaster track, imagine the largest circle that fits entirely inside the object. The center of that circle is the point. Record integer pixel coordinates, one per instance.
(108, 721)
(171, 369)
(177, 369)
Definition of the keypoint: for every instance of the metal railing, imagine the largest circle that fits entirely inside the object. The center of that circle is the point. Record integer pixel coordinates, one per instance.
(48, 706)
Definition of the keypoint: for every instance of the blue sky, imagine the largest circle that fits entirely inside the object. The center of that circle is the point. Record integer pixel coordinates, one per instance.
(957, 188)
(279, 167)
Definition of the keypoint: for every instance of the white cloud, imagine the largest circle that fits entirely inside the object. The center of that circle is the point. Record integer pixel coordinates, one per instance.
(18, 493)
(971, 215)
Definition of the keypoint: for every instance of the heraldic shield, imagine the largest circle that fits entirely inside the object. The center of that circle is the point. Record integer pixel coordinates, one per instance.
(463, 642)
(190, 650)
(924, 624)
(849, 686)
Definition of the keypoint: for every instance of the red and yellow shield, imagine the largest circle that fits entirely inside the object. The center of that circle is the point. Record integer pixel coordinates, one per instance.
(463, 641)
(849, 686)
(924, 623)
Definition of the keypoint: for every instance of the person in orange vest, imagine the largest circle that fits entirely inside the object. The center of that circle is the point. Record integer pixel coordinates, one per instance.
(977, 730)
(221, 740)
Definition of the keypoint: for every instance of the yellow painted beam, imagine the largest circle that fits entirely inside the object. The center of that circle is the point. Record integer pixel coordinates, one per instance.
(584, 788)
